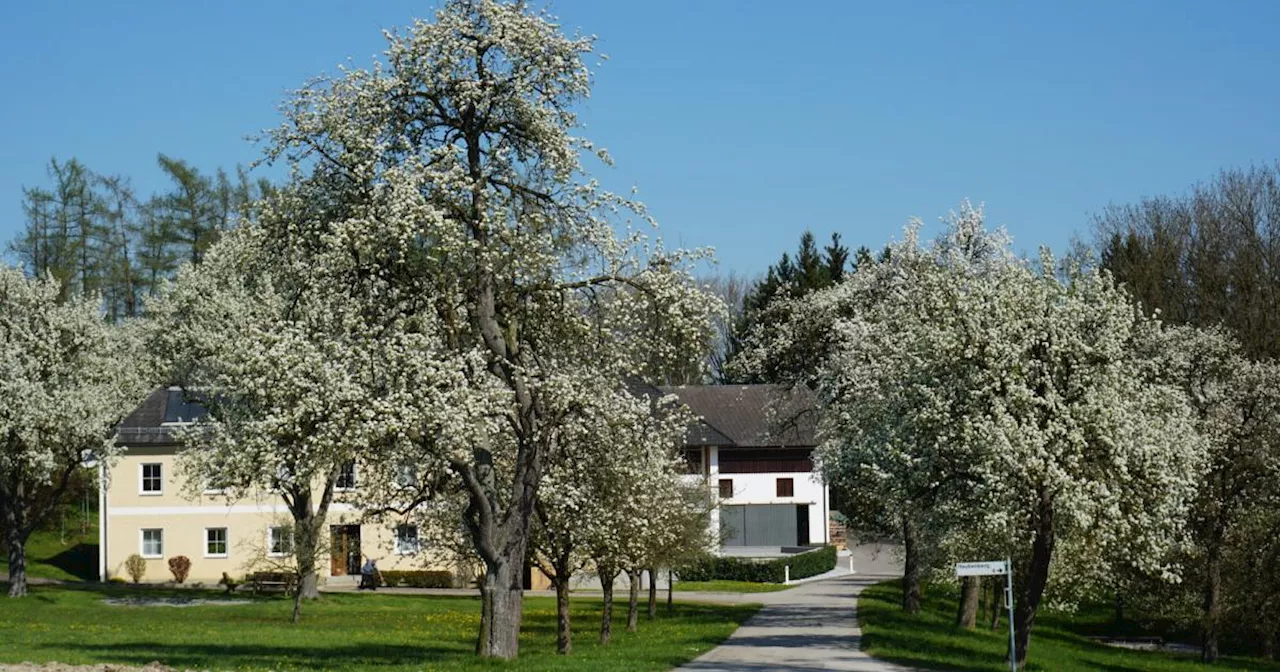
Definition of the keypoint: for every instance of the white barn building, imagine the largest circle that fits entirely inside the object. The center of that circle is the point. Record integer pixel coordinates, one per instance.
(754, 444)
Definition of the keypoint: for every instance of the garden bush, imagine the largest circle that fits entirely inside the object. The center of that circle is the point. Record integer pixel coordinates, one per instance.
(811, 563)
(179, 566)
(803, 565)
(136, 567)
(417, 579)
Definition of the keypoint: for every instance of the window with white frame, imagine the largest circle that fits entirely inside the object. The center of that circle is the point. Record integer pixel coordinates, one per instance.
(279, 541)
(215, 542)
(153, 543)
(406, 539)
(347, 476)
(152, 481)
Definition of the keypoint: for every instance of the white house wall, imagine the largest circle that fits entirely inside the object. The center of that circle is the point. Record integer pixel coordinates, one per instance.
(762, 488)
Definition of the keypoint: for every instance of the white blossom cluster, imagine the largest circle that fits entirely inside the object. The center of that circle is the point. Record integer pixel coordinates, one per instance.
(1005, 408)
(67, 378)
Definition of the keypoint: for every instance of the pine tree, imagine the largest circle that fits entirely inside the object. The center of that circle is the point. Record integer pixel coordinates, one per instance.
(810, 271)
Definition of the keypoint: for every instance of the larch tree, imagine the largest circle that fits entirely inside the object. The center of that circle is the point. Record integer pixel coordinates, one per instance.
(69, 378)
(194, 211)
(449, 199)
(64, 237)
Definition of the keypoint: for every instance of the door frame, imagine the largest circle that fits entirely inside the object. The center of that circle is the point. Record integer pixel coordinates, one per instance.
(344, 545)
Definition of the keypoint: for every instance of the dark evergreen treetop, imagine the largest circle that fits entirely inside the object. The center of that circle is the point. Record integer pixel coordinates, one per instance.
(809, 270)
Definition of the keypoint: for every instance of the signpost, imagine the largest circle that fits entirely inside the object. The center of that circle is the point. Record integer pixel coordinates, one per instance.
(995, 568)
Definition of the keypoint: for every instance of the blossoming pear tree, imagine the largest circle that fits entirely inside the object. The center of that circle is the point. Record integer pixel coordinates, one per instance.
(866, 344)
(1236, 406)
(444, 192)
(67, 378)
(613, 479)
(1010, 406)
(288, 383)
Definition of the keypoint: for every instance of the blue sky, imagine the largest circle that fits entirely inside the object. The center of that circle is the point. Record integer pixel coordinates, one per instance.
(741, 123)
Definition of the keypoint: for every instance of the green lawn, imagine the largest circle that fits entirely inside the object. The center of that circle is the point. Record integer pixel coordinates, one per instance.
(930, 639)
(729, 586)
(73, 557)
(342, 631)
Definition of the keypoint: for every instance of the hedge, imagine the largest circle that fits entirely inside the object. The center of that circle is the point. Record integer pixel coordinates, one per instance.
(417, 578)
(722, 568)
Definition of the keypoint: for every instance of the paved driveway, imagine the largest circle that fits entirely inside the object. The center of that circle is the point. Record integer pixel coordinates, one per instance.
(808, 628)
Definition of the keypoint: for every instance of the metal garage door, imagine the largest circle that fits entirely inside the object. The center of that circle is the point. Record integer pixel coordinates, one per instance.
(758, 525)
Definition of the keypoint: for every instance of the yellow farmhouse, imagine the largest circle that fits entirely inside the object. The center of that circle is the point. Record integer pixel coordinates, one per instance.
(146, 509)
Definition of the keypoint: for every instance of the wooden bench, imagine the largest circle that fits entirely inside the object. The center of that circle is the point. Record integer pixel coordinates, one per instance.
(262, 581)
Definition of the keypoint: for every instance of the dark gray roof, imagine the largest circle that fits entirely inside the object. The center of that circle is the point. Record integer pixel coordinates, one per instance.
(760, 416)
(148, 423)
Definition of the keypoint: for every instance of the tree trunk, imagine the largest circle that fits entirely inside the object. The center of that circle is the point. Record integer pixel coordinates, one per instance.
(1269, 644)
(984, 602)
(18, 521)
(306, 530)
(607, 575)
(1119, 608)
(653, 594)
(970, 593)
(997, 604)
(1212, 603)
(633, 600)
(911, 568)
(502, 602)
(501, 538)
(305, 545)
(17, 562)
(564, 634)
(1036, 577)
(671, 588)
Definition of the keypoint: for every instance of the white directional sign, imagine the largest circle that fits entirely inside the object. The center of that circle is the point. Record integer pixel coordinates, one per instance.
(996, 568)
(991, 568)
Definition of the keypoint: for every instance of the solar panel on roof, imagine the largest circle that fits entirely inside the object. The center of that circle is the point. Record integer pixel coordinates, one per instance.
(178, 409)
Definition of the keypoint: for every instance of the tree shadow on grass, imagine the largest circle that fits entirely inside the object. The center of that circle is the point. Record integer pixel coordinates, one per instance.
(79, 561)
(259, 656)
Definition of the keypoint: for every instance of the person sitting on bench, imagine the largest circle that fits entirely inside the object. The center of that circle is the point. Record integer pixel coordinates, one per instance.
(369, 575)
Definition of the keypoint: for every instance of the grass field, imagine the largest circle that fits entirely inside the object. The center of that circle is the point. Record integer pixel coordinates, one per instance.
(69, 557)
(729, 586)
(342, 631)
(930, 640)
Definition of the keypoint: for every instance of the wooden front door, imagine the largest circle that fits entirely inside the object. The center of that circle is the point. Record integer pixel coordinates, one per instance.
(344, 549)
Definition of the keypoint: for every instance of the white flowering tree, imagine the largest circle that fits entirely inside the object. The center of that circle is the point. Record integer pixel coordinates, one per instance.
(448, 199)
(68, 379)
(616, 463)
(1013, 410)
(859, 341)
(636, 512)
(274, 357)
(1236, 406)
